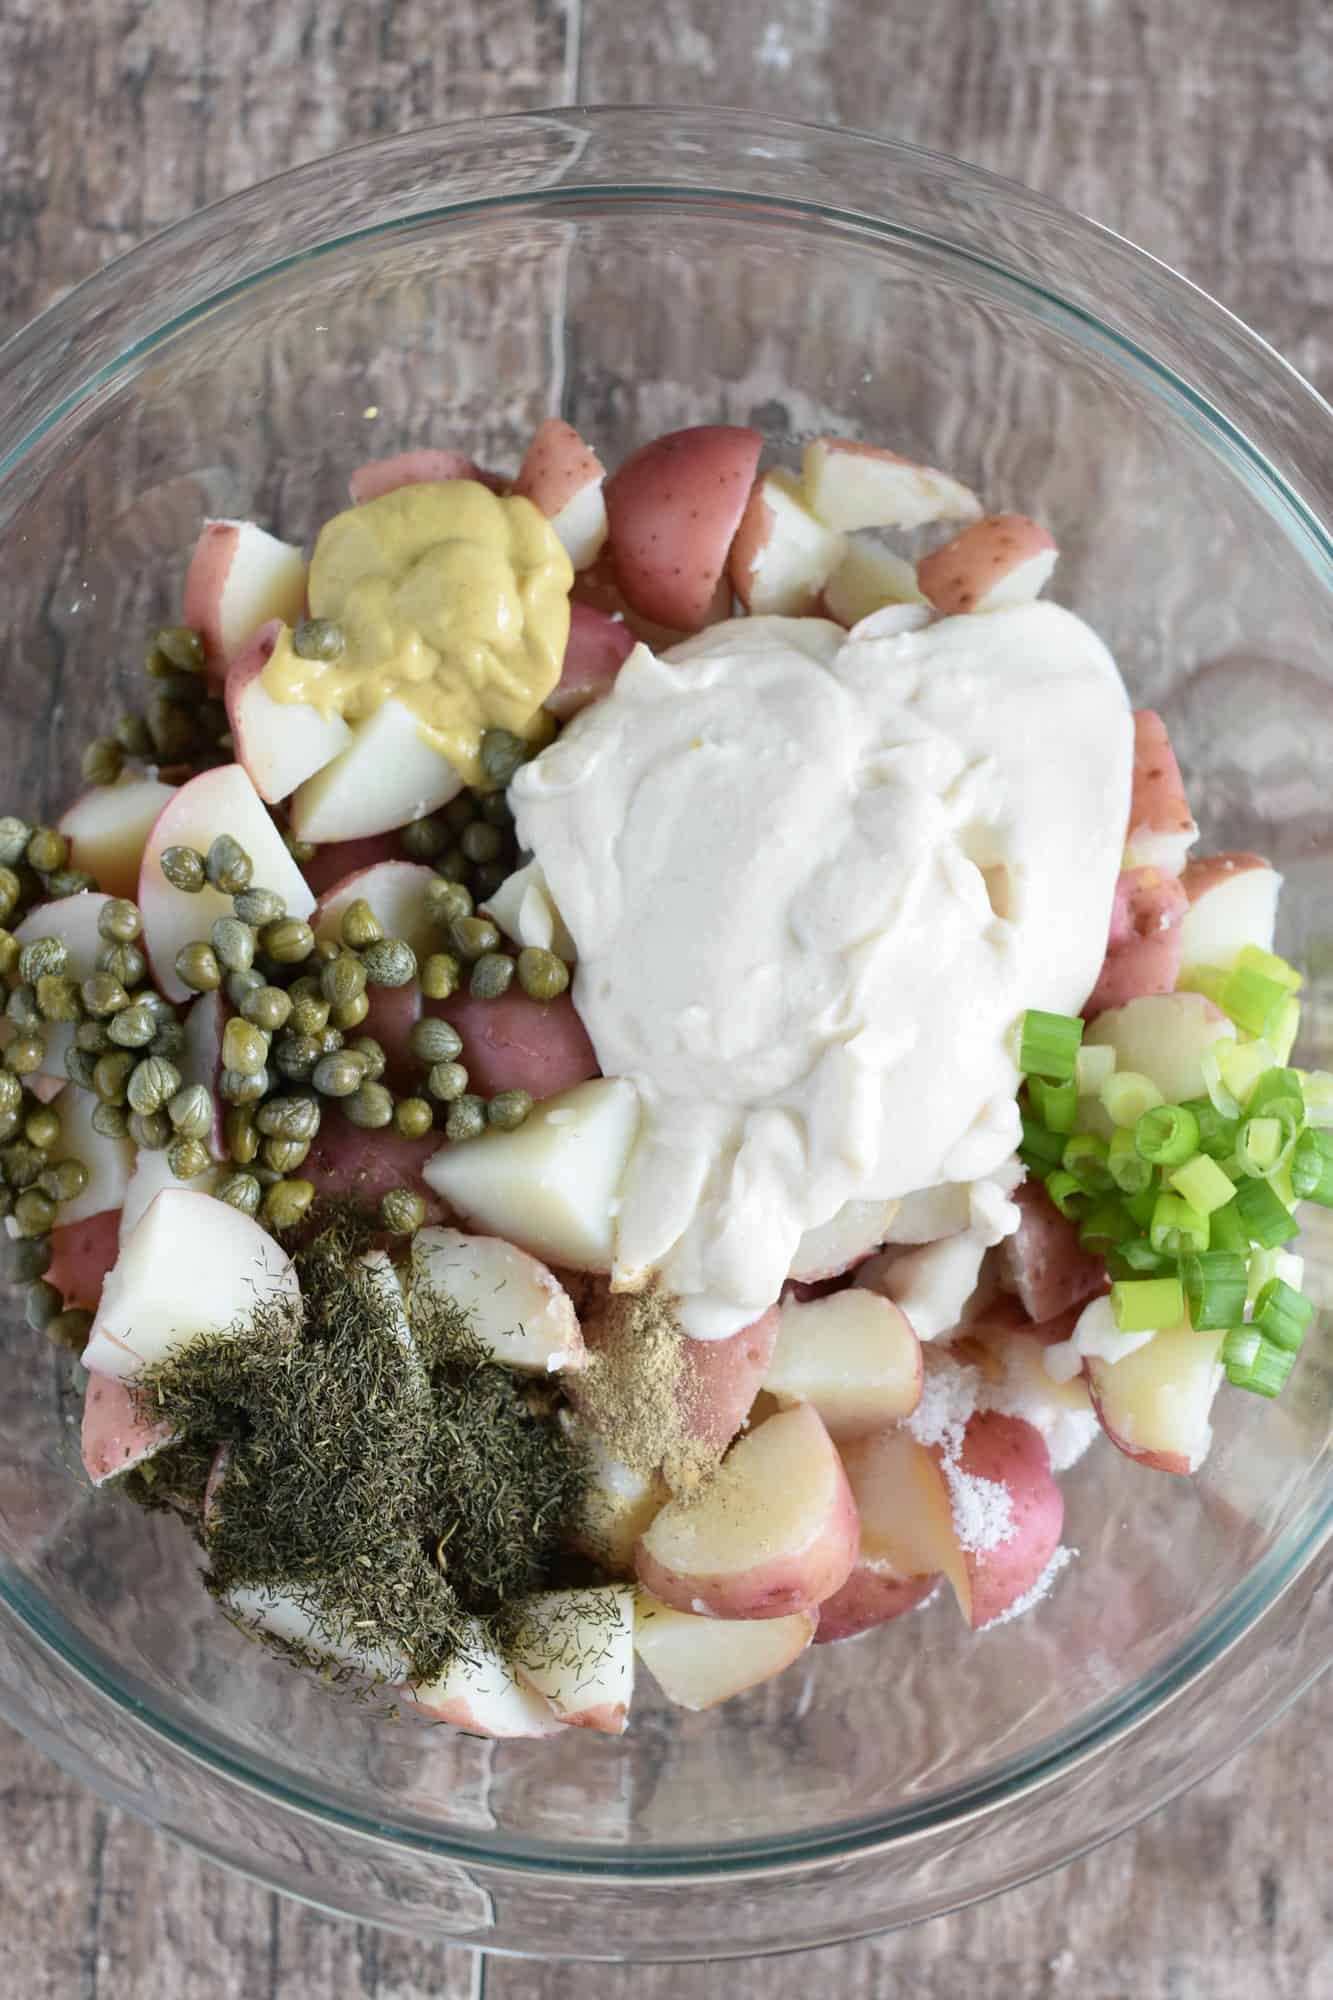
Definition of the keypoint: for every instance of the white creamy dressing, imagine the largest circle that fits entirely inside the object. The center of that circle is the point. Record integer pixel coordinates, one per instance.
(814, 878)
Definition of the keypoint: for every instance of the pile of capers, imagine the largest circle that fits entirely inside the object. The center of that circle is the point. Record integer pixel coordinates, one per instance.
(183, 725)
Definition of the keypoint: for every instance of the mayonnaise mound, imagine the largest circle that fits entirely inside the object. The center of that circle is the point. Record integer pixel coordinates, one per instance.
(814, 878)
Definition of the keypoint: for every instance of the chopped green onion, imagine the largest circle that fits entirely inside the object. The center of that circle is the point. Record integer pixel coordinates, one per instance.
(1056, 1104)
(1206, 979)
(1127, 1095)
(1214, 1288)
(1255, 959)
(1220, 1095)
(1318, 1094)
(1312, 1168)
(1048, 1044)
(1126, 1164)
(1137, 1259)
(1274, 1083)
(1141, 1207)
(1068, 1196)
(1146, 1305)
(1259, 1146)
(1168, 1135)
(1177, 1227)
(1041, 1151)
(1227, 1231)
(1203, 1184)
(1242, 1064)
(1266, 1374)
(1266, 1264)
(1104, 1227)
(1282, 1315)
(1094, 1062)
(1240, 1349)
(1217, 1134)
(1085, 1157)
(1264, 1214)
(1286, 1028)
(1252, 1000)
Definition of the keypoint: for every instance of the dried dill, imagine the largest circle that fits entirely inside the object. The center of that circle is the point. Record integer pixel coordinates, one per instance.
(392, 1485)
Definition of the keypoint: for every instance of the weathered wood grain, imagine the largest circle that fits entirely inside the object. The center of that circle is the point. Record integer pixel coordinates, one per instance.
(1196, 127)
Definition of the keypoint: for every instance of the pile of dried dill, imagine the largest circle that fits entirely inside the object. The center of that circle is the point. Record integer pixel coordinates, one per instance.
(393, 1488)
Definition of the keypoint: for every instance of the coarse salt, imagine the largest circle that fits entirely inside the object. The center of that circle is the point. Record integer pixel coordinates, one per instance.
(1024, 1604)
(983, 1513)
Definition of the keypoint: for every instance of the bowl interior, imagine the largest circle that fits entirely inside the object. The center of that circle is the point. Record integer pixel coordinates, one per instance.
(631, 314)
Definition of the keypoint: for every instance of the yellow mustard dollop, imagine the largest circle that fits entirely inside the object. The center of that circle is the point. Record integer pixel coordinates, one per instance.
(450, 600)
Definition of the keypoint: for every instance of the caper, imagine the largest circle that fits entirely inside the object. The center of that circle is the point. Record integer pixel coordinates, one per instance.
(79, 1067)
(43, 954)
(351, 1014)
(27, 1259)
(186, 1158)
(301, 851)
(133, 735)
(294, 1056)
(467, 1119)
(10, 948)
(288, 941)
(329, 1040)
(64, 1181)
(339, 1075)
(412, 1117)
(22, 1164)
(241, 1191)
(489, 877)
(541, 974)
(491, 976)
(183, 646)
(318, 639)
(11, 1092)
(441, 975)
(240, 1134)
(266, 1175)
(69, 882)
(285, 1155)
(424, 839)
(26, 1054)
(6, 1201)
(47, 850)
(57, 996)
(160, 1009)
(172, 728)
(234, 944)
(244, 1086)
(286, 1203)
(402, 1212)
(370, 1106)
(494, 809)
(244, 1046)
(70, 1329)
(124, 962)
(111, 1075)
(34, 1212)
(360, 926)
(133, 1028)
(460, 811)
(15, 834)
(238, 986)
(119, 921)
(22, 1009)
(343, 979)
(41, 1304)
(191, 1111)
(480, 842)
(149, 1129)
(447, 901)
(153, 1083)
(447, 1081)
(258, 907)
(102, 995)
(169, 1041)
(390, 962)
(183, 868)
(454, 867)
(41, 1128)
(501, 754)
(372, 1056)
(508, 1109)
(95, 1036)
(268, 1007)
(434, 1041)
(309, 1013)
(228, 866)
(289, 1117)
(472, 937)
(103, 760)
(109, 1120)
(197, 967)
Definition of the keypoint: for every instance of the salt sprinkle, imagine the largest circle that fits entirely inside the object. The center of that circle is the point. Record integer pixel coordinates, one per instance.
(950, 1398)
(1022, 1605)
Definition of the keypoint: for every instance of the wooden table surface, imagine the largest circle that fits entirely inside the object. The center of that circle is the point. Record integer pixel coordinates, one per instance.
(1199, 128)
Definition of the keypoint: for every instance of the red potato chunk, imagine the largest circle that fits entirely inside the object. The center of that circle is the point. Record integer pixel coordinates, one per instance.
(871, 1596)
(1161, 825)
(1005, 1453)
(346, 1163)
(335, 860)
(1004, 560)
(1044, 1261)
(1143, 954)
(415, 468)
(674, 507)
(719, 1379)
(564, 479)
(1232, 902)
(597, 649)
(239, 577)
(515, 1043)
(116, 1436)
(81, 1255)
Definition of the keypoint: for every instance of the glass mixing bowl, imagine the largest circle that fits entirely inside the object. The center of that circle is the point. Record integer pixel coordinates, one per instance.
(638, 270)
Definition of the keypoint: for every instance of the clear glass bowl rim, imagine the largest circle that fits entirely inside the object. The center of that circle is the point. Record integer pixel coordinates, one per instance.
(78, 345)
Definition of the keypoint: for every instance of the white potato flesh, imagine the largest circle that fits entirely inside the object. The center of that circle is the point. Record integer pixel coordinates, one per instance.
(387, 775)
(853, 1357)
(515, 1307)
(699, 1662)
(577, 1650)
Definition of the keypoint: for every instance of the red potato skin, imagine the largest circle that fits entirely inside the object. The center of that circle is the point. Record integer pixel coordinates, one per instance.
(557, 465)
(202, 599)
(1203, 872)
(1173, 1462)
(673, 508)
(1143, 954)
(597, 649)
(393, 1013)
(81, 1255)
(515, 1043)
(348, 1164)
(415, 468)
(723, 1377)
(1044, 1261)
(1005, 1314)
(956, 577)
(1157, 801)
(1012, 1454)
(868, 1599)
(114, 1434)
(337, 859)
